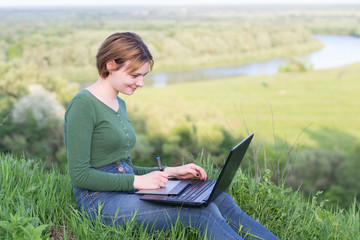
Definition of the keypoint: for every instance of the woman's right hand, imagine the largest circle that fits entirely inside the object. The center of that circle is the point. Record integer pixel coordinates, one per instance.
(153, 180)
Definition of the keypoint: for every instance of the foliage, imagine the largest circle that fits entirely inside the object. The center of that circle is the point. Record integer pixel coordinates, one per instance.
(295, 65)
(316, 171)
(331, 172)
(317, 168)
(37, 201)
(37, 126)
(21, 228)
(41, 103)
(348, 184)
(31, 111)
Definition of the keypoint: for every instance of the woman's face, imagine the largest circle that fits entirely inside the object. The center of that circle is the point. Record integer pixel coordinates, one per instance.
(125, 82)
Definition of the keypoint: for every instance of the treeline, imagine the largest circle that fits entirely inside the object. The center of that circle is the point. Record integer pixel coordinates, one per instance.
(64, 41)
(70, 53)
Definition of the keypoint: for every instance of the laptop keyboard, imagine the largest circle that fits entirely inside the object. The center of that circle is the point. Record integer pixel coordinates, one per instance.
(193, 191)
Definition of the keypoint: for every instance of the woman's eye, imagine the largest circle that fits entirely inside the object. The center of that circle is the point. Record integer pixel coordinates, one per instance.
(137, 75)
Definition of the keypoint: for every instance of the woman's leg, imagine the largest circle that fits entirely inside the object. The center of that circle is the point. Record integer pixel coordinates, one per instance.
(158, 216)
(235, 216)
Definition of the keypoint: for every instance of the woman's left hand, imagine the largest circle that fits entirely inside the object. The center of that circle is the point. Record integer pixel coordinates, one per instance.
(187, 171)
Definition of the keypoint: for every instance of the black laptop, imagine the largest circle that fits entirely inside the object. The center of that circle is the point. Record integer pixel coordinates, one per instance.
(199, 192)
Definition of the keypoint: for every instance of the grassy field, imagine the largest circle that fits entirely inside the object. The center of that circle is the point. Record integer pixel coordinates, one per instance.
(38, 204)
(325, 103)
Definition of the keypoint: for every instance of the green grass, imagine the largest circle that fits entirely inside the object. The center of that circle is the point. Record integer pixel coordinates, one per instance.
(325, 103)
(33, 200)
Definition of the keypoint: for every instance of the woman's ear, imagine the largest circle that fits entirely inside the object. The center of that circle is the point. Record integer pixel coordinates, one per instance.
(111, 65)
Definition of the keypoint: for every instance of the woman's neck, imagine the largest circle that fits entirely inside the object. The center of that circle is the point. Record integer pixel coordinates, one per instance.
(104, 92)
(102, 88)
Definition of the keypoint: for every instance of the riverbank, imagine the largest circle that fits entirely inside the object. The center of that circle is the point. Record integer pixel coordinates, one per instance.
(337, 51)
(235, 58)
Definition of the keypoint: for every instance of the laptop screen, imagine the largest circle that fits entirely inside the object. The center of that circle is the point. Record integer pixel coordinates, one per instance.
(231, 166)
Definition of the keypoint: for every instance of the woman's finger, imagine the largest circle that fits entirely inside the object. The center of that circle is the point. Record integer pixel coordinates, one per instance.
(200, 172)
(164, 180)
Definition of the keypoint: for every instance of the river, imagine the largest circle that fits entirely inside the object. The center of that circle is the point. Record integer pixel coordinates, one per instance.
(337, 51)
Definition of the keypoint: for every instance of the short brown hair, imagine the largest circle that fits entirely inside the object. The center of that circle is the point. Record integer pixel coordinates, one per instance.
(122, 47)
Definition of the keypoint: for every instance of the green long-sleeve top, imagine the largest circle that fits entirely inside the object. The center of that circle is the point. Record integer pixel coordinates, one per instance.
(95, 136)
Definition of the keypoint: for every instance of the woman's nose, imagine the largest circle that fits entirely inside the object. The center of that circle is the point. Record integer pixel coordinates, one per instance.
(140, 82)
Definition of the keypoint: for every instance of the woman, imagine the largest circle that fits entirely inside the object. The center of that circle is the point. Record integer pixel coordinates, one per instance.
(99, 138)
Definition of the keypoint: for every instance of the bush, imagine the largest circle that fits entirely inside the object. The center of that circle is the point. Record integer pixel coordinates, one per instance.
(295, 65)
(37, 127)
(316, 171)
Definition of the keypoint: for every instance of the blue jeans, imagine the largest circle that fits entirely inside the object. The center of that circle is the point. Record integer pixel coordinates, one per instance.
(219, 220)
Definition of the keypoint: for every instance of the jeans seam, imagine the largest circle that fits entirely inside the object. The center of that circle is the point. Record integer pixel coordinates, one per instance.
(153, 211)
(94, 194)
(235, 227)
(210, 216)
(92, 207)
(131, 215)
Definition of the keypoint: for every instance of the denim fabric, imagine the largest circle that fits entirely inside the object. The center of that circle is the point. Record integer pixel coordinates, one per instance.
(219, 220)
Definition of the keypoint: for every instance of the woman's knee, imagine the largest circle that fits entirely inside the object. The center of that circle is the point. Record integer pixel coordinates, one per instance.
(224, 199)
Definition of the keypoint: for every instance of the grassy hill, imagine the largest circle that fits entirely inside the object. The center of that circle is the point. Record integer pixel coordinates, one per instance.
(38, 204)
(325, 103)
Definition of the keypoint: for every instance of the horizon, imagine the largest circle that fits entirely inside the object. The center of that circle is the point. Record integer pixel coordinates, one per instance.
(159, 3)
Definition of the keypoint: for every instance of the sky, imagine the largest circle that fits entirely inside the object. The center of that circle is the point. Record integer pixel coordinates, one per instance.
(38, 3)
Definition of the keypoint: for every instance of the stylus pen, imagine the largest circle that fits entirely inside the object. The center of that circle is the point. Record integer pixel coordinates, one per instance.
(159, 162)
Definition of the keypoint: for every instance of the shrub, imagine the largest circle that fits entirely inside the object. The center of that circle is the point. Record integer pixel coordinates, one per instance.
(316, 171)
(37, 127)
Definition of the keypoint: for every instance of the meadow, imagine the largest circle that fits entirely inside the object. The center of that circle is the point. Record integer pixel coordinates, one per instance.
(38, 204)
(322, 106)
